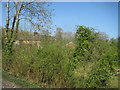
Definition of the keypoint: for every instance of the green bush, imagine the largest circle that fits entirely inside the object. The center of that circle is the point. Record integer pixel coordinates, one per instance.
(93, 49)
(49, 66)
(89, 65)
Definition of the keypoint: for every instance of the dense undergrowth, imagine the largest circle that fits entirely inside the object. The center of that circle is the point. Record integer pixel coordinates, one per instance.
(89, 65)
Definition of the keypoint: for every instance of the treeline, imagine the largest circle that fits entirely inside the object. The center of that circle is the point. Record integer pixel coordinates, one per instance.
(43, 35)
(90, 65)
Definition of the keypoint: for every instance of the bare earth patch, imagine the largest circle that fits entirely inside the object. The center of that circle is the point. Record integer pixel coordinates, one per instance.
(8, 84)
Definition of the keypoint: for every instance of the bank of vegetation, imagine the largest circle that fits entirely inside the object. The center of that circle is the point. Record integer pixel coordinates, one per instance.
(92, 63)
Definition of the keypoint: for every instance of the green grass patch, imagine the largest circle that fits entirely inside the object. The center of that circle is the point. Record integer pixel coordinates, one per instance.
(113, 82)
(19, 81)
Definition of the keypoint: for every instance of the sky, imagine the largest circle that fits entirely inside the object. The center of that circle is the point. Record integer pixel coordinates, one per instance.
(103, 16)
(119, 19)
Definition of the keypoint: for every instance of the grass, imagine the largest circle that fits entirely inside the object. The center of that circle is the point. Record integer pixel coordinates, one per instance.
(83, 69)
(19, 81)
(113, 82)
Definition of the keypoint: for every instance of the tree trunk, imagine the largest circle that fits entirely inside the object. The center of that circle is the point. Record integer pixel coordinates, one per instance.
(10, 36)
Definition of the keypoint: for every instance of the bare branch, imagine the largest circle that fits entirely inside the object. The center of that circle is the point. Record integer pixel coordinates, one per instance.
(7, 19)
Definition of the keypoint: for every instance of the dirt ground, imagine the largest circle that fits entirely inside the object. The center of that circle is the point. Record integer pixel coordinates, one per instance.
(8, 84)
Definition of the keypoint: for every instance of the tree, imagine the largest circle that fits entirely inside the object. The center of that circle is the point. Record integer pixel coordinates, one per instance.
(46, 34)
(24, 35)
(84, 37)
(36, 13)
(103, 36)
(68, 36)
(58, 33)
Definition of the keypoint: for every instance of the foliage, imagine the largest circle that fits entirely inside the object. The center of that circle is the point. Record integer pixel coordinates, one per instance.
(100, 74)
(92, 48)
(15, 12)
(84, 36)
(84, 44)
(89, 65)
(44, 65)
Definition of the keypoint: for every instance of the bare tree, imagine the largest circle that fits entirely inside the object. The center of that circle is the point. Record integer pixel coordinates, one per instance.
(36, 13)
(45, 34)
(68, 35)
(58, 33)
